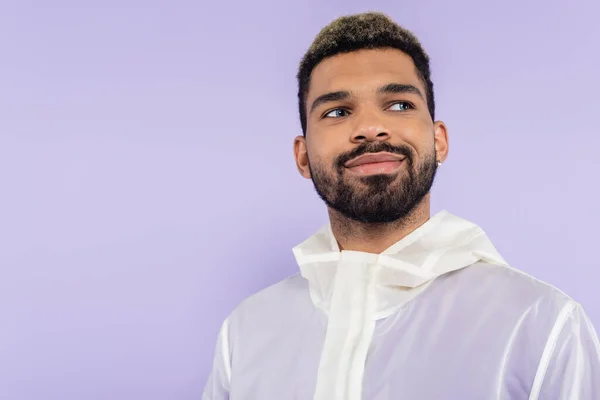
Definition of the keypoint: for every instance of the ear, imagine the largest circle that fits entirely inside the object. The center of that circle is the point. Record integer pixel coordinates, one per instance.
(441, 140)
(301, 156)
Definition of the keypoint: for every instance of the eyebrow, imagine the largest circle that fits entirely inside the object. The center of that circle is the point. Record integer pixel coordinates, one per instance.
(330, 97)
(400, 88)
(393, 88)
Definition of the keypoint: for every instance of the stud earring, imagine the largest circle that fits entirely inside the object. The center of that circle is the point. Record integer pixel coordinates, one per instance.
(439, 164)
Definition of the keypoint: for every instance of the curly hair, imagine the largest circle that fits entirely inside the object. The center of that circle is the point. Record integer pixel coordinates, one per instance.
(370, 30)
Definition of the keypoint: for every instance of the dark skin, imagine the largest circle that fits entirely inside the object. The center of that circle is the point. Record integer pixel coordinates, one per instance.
(368, 95)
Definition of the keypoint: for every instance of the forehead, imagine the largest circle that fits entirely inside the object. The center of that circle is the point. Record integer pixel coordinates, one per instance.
(363, 70)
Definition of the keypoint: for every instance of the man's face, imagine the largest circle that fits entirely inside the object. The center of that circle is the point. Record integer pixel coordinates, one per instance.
(371, 148)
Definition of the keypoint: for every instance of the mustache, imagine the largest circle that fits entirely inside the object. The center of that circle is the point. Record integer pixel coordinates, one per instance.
(373, 147)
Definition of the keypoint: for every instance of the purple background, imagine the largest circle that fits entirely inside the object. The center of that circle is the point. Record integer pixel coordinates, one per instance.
(148, 182)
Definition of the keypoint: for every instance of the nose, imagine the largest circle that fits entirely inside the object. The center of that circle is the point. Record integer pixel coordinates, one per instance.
(369, 128)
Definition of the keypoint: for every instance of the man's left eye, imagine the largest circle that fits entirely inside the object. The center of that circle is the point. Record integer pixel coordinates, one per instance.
(401, 106)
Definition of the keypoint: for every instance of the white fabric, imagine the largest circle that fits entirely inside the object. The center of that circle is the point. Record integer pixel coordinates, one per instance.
(438, 315)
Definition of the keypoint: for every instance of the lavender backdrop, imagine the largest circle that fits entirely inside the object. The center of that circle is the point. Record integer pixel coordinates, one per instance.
(148, 183)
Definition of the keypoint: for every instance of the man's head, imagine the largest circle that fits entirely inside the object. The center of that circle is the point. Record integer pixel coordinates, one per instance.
(365, 91)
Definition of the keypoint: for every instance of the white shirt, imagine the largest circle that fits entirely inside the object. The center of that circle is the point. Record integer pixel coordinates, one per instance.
(438, 315)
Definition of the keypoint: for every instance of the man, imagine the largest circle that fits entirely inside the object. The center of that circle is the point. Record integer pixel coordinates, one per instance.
(392, 303)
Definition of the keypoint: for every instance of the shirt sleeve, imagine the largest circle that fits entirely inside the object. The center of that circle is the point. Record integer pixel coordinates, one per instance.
(218, 384)
(570, 366)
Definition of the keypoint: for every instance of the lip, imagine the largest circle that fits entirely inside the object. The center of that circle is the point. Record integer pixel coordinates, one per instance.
(373, 158)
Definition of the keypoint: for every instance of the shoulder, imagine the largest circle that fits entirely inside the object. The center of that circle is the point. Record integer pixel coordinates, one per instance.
(508, 299)
(509, 287)
(267, 318)
(274, 304)
(548, 330)
(291, 289)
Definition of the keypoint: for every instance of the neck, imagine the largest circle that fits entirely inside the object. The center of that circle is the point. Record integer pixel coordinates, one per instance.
(375, 238)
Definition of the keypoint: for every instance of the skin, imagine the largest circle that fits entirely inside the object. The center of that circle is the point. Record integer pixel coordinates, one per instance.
(337, 126)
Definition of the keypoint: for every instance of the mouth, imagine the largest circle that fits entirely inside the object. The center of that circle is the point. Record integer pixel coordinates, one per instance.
(373, 164)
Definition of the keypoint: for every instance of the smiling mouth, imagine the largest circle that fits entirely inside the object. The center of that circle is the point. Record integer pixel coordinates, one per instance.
(375, 163)
(374, 168)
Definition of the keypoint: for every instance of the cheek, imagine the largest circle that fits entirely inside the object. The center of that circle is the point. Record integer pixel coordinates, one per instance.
(317, 162)
(418, 134)
(331, 136)
(322, 153)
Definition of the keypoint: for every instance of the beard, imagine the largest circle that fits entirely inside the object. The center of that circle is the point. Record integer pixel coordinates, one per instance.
(380, 198)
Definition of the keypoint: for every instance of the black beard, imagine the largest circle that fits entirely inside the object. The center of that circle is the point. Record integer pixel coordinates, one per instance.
(386, 197)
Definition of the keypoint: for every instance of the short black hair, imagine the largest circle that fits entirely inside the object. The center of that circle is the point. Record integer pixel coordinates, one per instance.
(370, 30)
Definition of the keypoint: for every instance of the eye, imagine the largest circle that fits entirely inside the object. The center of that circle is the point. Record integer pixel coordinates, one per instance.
(336, 113)
(401, 106)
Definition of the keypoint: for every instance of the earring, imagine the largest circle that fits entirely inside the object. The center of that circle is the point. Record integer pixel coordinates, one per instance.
(439, 164)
